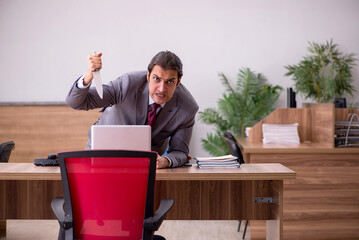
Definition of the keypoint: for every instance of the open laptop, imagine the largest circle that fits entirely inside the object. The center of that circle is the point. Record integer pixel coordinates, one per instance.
(124, 137)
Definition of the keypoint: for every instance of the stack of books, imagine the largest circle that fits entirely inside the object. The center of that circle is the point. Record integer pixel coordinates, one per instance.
(227, 161)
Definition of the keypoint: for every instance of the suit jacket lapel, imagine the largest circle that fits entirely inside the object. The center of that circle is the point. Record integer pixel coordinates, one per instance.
(168, 111)
(142, 104)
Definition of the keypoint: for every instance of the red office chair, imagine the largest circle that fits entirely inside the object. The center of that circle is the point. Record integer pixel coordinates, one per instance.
(108, 194)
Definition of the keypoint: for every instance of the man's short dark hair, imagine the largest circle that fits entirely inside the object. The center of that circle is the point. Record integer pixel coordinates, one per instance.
(167, 60)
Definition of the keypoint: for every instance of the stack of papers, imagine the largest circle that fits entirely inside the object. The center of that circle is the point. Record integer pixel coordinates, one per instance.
(280, 133)
(227, 161)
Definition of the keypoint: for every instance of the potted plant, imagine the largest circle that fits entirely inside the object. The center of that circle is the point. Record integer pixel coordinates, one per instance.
(324, 74)
(241, 106)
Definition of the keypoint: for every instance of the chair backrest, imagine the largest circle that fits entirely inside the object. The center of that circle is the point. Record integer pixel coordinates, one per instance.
(233, 146)
(5, 151)
(108, 193)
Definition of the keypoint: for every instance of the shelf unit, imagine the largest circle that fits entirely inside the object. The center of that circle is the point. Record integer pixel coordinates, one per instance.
(347, 132)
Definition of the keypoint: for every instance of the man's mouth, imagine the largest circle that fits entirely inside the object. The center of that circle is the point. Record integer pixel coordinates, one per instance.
(161, 95)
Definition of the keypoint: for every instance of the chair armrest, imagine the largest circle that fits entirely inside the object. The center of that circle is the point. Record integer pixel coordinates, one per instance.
(57, 206)
(154, 223)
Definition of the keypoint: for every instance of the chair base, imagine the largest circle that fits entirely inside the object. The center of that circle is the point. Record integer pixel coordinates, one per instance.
(245, 228)
(158, 237)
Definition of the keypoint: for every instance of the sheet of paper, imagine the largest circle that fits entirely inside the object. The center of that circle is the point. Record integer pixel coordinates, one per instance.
(98, 82)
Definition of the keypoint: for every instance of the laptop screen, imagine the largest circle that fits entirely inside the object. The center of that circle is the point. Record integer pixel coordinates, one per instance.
(122, 137)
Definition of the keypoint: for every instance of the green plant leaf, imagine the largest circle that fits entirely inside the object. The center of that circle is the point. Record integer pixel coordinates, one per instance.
(324, 74)
(241, 106)
(215, 144)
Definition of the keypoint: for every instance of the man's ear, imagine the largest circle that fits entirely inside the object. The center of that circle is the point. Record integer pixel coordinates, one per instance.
(179, 81)
(148, 76)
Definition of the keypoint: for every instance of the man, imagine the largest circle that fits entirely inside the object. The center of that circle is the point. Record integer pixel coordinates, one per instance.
(127, 99)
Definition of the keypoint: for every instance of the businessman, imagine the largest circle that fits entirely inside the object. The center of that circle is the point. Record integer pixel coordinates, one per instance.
(155, 97)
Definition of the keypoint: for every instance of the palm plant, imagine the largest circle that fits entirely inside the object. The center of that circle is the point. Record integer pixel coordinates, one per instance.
(243, 105)
(324, 74)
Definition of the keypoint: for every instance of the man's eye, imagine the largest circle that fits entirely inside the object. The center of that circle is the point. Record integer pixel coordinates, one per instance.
(156, 78)
(170, 82)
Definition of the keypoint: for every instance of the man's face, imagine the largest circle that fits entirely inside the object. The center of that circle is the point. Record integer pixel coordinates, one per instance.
(162, 84)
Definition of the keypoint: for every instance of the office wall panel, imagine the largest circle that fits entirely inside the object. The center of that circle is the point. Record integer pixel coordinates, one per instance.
(43, 129)
(44, 44)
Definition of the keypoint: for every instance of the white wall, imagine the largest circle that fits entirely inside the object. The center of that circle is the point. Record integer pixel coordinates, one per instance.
(44, 44)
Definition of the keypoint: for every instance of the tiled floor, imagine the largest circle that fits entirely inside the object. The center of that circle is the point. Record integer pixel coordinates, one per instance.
(172, 230)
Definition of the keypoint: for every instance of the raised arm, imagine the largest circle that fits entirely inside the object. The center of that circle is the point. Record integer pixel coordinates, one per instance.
(82, 97)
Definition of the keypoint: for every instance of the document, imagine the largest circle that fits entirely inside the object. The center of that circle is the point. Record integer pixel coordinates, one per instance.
(227, 161)
(280, 133)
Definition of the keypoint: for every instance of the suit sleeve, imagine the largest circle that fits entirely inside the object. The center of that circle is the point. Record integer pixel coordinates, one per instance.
(179, 143)
(86, 99)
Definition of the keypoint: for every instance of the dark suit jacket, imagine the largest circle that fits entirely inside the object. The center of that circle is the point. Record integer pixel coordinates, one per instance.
(126, 102)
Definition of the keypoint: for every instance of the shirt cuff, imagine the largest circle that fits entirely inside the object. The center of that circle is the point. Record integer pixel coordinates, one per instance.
(80, 83)
(170, 161)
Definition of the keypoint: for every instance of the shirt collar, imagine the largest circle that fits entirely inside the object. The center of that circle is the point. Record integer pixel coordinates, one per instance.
(150, 101)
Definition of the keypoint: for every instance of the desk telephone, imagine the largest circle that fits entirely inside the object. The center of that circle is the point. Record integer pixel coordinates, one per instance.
(51, 160)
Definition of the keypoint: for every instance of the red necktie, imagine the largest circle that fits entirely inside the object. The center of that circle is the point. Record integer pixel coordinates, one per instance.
(151, 116)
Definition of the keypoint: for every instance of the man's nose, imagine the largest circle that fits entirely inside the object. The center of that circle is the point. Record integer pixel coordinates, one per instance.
(162, 86)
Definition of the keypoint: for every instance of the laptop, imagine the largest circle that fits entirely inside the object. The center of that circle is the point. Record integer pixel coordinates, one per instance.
(124, 137)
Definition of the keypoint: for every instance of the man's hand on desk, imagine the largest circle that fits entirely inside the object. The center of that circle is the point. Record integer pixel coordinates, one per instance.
(162, 162)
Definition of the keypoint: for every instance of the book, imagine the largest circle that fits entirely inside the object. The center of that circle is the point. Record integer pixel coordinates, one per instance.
(227, 161)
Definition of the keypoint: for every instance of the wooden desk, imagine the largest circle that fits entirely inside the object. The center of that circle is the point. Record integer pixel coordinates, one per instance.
(200, 194)
(322, 203)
